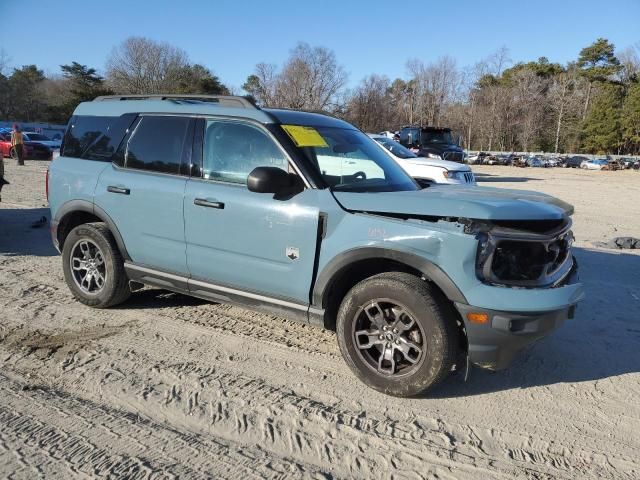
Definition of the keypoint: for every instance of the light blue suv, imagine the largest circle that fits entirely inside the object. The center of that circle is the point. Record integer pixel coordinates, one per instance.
(302, 215)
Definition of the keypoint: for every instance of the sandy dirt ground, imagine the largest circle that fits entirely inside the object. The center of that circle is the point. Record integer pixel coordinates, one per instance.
(167, 386)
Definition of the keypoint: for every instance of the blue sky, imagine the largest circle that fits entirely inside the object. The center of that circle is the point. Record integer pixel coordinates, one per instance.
(230, 37)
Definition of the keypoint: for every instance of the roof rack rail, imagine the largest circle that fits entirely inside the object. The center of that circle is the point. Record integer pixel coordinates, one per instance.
(226, 100)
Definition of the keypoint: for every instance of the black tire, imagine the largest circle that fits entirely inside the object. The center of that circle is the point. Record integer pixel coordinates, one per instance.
(434, 323)
(115, 288)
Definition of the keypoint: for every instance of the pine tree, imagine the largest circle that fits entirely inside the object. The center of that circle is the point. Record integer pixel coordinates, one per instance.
(597, 63)
(631, 119)
(602, 128)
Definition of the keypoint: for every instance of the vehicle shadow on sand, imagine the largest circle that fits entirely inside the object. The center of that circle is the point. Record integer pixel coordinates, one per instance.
(601, 342)
(152, 298)
(489, 178)
(25, 231)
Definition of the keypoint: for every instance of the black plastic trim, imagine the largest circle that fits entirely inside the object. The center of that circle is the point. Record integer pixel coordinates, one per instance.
(86, 206)
(222, 293)
(342, 261)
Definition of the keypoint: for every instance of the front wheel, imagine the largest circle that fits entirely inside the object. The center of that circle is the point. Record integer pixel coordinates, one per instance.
(396, 334)
(93, 267)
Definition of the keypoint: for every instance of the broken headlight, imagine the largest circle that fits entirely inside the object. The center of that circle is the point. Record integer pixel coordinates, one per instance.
(524, 259)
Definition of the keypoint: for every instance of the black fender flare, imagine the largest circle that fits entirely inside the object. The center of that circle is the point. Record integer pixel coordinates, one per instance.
(86, 206)
(342, 261)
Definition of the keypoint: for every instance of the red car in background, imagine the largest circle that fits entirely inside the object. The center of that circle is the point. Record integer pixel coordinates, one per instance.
(32, 150)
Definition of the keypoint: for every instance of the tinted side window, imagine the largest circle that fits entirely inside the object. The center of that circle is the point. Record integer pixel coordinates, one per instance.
(232, 150)
(94, 138)
(83, 132)
(157, 144)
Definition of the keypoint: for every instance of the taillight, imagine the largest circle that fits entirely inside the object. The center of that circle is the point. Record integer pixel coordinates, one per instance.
(46, 184)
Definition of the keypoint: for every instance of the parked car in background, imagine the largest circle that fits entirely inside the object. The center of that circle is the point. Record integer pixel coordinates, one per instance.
(554, 161)
(32, 150)
(626, 162)
(426, 170)
(476, 158)
(492, 160)
(537, 162)
(596, 164)
(507, 159)
(42, 139)
(432, 142)
(575, 162)
(615, 164)
(520, 162)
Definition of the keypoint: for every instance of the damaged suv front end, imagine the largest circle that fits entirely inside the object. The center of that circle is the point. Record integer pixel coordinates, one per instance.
(532, 264)
(508, 253)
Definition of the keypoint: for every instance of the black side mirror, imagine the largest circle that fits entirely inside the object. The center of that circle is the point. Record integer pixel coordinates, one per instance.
(272, 180)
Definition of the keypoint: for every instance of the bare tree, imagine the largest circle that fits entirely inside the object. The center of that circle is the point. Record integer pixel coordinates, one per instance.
(311, 79)
(369, 106)
(262, 85)
(630, 61)
(565, 98)
(140, 66)
(528, 102)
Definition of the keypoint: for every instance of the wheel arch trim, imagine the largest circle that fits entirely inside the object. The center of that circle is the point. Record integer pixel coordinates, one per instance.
(333, 270)
(73, 206)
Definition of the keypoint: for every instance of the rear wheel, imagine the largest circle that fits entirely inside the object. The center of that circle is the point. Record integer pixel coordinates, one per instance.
(395, 333)
(93, 267)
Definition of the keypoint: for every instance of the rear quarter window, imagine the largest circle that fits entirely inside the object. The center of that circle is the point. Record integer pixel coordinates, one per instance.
(95, 137)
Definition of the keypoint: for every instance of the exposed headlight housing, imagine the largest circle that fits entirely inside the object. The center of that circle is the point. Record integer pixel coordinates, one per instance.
(522, 259)
(434, 155)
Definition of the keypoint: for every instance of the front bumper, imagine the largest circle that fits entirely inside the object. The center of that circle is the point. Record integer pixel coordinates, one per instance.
(494, 344)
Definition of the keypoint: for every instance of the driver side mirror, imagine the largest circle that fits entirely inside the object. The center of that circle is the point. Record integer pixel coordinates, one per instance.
(273, 180)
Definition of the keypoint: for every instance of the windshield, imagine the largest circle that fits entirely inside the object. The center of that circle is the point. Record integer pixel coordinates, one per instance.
(395, 148)
(351, 161)
(37, 137)
(437, 137)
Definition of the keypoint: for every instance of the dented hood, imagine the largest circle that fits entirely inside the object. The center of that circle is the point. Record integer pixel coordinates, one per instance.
(481, 203)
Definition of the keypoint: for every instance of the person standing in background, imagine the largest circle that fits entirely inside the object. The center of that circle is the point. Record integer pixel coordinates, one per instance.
(3, 182)
(17, 144)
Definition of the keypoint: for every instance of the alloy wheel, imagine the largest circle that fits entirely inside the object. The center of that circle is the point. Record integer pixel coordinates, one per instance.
(388, 338)
(88, 266)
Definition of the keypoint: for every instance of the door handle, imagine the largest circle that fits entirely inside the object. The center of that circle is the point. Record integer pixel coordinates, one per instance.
(208, 203)
(122, 190)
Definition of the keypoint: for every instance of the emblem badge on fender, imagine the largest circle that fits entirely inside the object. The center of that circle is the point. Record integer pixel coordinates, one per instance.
(293, 253)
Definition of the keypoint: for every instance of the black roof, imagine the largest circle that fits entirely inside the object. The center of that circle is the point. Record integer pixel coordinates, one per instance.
(296, 117)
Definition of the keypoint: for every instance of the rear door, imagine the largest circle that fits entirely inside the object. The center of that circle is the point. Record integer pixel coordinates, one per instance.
(240, 239)
(143, 191)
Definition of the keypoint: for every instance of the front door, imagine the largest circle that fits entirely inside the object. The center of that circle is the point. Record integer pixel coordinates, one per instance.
(241, 239)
